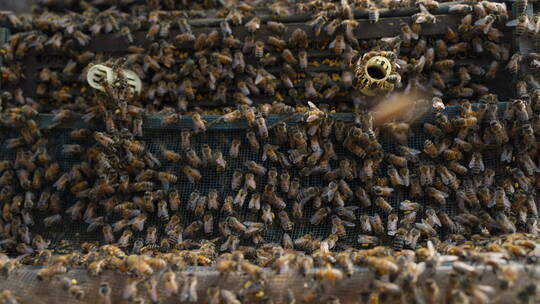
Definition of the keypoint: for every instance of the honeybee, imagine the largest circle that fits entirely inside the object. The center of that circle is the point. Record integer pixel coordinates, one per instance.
(492, 69)
(299, 38)
(367, 240)
(430, 149)
(221, 163)
(199, 125)
(276, 42)
(302, 60)
(338, 45)
(228, 205)
(193, 159)
(373, 14)
(383, 204)
(253, 142)
(522, 25)
(185, 139)
(257, 169)
(240, 197)
(253, 25)
(476, 165)
(49, 272)
(329, 274)
(193, 175)
(286, 223)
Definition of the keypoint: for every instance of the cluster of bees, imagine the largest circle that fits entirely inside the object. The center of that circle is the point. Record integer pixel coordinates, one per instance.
(398, 276)
(316, 197)
(246, 59)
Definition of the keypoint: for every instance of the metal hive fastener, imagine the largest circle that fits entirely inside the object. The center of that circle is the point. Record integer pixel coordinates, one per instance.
(375, 73)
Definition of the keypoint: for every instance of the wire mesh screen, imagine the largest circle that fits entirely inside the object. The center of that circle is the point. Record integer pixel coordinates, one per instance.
(218, 138)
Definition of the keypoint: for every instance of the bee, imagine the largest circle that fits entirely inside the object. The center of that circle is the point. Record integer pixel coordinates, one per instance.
(367, 240)
(137, 223)
(52, 220)
(193, 228)
(430, 149)
(257, 169)
(240, 197)
(185, 139)
(286, 223)
(236, 181)
(234, 151)
(395, 177)
(338, 45)
(437, 195)
(250, 182)
(373, 14)
(262, 127)
(253, 142)
(522, 25)
(221, 163)
(492, 69)
(383, 204)
(166, 178)
(49, 272)
(193, 175)
(329, 274)
(228, 205)
(302, 60)
(476, 165)
(444, 64)
(253, 25)
(499, 199)
(299, 38)
(170, 284)
(104, 140)
(193, 159)
(319, 216)
(294, 188)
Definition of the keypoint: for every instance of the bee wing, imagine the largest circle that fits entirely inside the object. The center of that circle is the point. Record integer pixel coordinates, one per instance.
(493, 202)
(436, 219)
(332, 44)
(348, 223)
(419, 18)
(431, 248)
(506, 202)
(472, 163)
(510, 23)
(444, 194)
